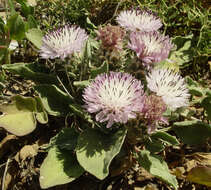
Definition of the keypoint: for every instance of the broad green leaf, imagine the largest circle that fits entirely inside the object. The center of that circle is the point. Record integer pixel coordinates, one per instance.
(192, 132)
(59, 167)
(95, 150)
(157, 167)
(206, 104)
(55, 101)
(66, 139)
(201, 175)
(41, 114)
(154, 145)
(158, 140)
(16, 27)
(18, 117)
(35, 35)
(165, 137)
(30, 71)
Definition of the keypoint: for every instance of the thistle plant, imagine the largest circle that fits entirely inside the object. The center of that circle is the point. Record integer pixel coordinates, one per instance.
(104, 100)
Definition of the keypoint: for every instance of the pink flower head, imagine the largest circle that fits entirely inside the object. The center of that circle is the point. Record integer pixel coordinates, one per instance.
(111, 37)
(170, 86)
(63, 42)
(150, 47)
(152, 111)
(138, 20)
(115, 97)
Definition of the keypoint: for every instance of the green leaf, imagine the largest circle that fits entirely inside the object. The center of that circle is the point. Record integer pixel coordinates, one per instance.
(59, 167)
(206, 104)
(154, 145)
(25, 8)
(35, 35)
(192, 132)
(16, 27)
(201, 175)
(95, 150)
(82, 84)
(158, 140)
(208, 92)
(104, 68)
(41, 114)
(183, 53)
(196, 91)
(55, 101)
(18, 117)
(87, 52)
(191, 82)
(168, 64)
(79, 111)
(66, 139)
(157, 167)
(165, 137)
(30, 71)
(12, 7)
(31, 23)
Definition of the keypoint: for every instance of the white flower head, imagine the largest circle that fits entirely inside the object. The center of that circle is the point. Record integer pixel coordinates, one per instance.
(115, 97)
(138, 20)
(63, 42)
(170, 86)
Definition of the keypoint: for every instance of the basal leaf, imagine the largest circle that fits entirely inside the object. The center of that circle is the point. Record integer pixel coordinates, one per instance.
(18, 117)
(192, 132)
(55, 101)
(157, 167)
(95, 150)
(41, 114)
(65, 139)
(30, 71)
(154, 145)
(59, 167)
(35, 35)
(165, 137)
